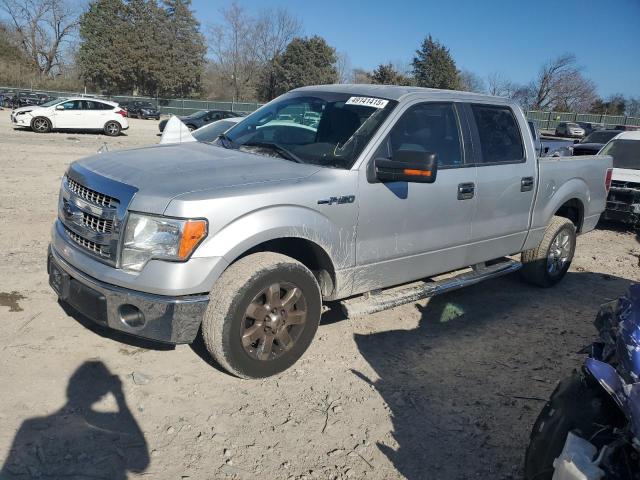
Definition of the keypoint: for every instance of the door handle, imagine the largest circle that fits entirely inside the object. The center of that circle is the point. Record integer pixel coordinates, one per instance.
(526, 184)
(466, 191)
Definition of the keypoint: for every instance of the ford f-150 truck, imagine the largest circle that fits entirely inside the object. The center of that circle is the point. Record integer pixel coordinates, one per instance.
(243, 238)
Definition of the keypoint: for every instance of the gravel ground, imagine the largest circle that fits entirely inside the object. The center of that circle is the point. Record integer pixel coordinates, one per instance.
(447, 388)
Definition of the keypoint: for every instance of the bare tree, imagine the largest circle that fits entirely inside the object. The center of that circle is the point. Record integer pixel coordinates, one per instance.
(232, 45)
(244, 46)
(471, 82)
(560, 85)
(274, 30)
(499, 85)
(343, 67)
(42, 27)
(360, 75)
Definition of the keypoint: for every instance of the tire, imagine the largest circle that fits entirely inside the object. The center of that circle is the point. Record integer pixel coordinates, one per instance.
(242, 291)
(578, 404)
(549, 262)
(112, 128)
(41, 125)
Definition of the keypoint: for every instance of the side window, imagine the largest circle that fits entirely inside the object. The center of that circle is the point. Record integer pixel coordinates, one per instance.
(500, 138)
(426, 127)
(73, 105)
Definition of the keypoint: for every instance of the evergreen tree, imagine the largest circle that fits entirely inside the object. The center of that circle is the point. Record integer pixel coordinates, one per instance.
(305, 61)
(434, 67)
(141, 47)
(185, 51)
(387, 75)
(103, 54)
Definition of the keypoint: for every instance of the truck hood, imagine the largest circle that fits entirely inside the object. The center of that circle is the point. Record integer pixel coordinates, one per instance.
(162, 172)
(27, 109)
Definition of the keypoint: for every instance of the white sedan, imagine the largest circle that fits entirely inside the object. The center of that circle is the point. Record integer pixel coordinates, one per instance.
(79, 113)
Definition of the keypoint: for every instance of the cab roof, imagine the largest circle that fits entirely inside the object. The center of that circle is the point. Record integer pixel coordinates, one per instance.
(395, 92)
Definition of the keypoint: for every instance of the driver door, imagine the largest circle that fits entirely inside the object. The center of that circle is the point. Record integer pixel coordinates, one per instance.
(406, 230)
(70, 116)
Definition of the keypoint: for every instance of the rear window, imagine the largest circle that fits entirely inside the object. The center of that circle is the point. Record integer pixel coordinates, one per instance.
(500, 138)
(625, 153)
(600, 136)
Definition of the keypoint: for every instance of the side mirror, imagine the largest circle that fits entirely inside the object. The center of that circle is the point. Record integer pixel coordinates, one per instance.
(576, 141)
(59, 107)
(406, 166)
(546, 150)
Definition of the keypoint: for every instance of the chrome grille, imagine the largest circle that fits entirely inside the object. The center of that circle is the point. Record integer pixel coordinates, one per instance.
(90, 195)
(88, 244)
(100, 225)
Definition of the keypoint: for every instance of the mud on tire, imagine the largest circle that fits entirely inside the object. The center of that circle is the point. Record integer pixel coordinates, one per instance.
(548, 263)
(263, 312)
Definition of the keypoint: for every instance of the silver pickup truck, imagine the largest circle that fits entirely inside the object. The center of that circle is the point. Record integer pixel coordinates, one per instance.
(326, 193)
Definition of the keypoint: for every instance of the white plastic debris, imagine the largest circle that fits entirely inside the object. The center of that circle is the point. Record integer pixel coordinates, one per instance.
(176, 132)
(576, 461)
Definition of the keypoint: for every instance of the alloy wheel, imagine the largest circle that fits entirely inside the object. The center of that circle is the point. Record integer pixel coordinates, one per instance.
(273, 321)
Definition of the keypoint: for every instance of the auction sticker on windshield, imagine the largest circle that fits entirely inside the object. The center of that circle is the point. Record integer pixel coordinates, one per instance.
(368, 102)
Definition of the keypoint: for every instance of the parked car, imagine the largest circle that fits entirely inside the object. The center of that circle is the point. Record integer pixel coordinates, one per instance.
(202, 118)
(143, 110)
(80, 113)
(590, 429)
(211, 132)
(627, 128)
(623, 202)
(23, 99)
(589, 127)
(569, 129)
(245, 238)
(593, 143)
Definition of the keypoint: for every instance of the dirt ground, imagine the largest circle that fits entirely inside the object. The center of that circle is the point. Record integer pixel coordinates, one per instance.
(444, 389)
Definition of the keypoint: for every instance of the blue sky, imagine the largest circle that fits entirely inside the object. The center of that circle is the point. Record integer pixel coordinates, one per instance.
(511, 37)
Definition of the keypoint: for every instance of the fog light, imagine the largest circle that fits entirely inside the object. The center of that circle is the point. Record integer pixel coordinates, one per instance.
(131, 316)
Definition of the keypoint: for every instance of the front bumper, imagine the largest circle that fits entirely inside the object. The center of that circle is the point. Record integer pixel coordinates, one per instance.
(155, 317)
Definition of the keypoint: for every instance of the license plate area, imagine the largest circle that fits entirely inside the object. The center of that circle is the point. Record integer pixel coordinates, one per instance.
(58, 279)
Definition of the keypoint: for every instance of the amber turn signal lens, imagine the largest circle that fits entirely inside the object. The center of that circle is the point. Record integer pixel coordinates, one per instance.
(192, 233)
(418, 173)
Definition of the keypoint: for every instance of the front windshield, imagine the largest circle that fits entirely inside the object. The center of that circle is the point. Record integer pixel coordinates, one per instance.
(322, 128)
(51, 103)
(211, 132)
(625, 153)
(599, 136)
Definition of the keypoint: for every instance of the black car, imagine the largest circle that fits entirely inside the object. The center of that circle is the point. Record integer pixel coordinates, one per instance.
(592, 143)
(589, 127)
(202, 118)
(141, 109)
(24, 99)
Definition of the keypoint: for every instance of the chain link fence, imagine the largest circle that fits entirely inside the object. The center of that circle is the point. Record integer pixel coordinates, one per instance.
(176, 106)
(185, 106)
(550, 120)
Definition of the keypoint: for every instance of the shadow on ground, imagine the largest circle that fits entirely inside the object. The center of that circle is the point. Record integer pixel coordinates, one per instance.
(465, 386)
(78, 442)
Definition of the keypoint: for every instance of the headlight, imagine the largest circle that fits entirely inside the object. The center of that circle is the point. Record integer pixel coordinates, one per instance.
(147, 237)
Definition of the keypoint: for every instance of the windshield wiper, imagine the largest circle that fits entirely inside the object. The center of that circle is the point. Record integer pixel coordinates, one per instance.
(284, 153)
(226, 140)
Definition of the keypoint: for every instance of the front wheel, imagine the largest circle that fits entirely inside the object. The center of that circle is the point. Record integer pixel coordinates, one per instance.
(41, 125)
(578, 404)
(549, 262)
(263, 313)
(112, 128)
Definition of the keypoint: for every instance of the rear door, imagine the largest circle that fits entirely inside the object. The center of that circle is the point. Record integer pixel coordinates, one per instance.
(506, 179)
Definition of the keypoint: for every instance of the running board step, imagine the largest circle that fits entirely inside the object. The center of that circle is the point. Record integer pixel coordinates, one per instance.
(393, 297)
